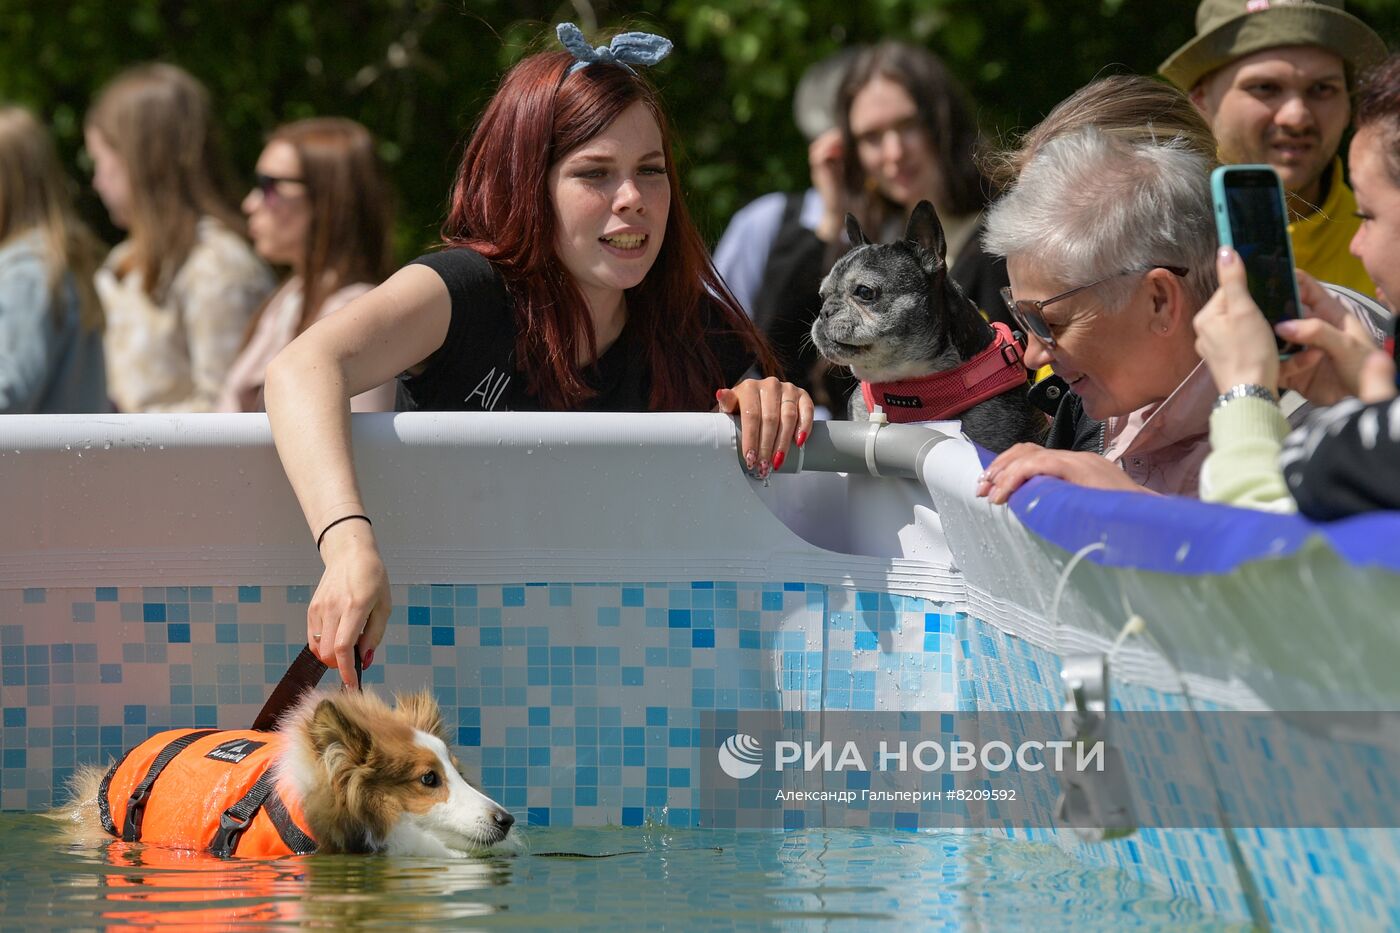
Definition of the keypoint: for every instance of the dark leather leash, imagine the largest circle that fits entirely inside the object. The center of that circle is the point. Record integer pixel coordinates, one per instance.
(303, 675)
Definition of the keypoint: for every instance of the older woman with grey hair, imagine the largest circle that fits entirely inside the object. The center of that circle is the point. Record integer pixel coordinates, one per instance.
(1110, 246)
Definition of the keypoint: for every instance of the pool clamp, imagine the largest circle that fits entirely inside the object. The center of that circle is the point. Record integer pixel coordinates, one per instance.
(1097, 805)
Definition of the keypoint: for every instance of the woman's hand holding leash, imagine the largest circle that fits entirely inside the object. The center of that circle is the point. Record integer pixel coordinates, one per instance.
(772, 414)
(352, 603)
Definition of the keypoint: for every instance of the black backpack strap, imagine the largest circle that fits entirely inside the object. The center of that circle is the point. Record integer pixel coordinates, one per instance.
(237, 818)
(292, 835)
(104, 806)
(795, 260)
(136, 806)
(234, 821)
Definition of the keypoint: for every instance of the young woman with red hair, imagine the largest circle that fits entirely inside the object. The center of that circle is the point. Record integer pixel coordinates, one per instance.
(572, 278)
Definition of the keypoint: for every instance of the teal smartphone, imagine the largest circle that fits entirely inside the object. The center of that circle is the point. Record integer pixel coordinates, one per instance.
(1252, 218)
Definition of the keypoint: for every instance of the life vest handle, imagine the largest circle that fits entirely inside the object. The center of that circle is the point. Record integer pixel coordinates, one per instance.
(302, 676)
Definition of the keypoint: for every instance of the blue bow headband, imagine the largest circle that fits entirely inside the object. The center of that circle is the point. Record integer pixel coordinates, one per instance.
(626, 50)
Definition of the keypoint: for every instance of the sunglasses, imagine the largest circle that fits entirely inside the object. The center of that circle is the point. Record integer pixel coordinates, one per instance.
(267, 186)
(1027, 313)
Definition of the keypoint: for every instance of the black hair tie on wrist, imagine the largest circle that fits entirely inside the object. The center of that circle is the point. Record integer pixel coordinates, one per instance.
(344, 518)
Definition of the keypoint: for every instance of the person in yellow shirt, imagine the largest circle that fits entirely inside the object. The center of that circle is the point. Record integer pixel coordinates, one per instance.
(1272, 78)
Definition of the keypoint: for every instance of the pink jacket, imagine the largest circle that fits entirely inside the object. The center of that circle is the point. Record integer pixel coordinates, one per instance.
(242, 389)
(1162, 446)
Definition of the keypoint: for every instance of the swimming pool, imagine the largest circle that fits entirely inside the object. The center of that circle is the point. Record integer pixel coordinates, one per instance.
(682, 879)
(580, 644)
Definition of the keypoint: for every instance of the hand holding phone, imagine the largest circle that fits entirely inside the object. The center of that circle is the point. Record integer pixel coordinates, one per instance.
(1252, 218)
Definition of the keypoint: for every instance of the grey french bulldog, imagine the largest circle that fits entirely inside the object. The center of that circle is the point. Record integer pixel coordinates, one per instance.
(894, 315)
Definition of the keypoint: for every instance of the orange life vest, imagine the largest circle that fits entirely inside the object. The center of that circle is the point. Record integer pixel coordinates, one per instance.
(205, 789)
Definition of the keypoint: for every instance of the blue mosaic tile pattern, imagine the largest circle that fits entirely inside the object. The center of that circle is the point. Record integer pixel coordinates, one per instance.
(573, 703)
(580, 704)
(1002, 672)
(1303, 875)
(888, 652)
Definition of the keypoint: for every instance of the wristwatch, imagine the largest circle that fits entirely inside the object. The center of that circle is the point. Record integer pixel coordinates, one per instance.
(1245, 390)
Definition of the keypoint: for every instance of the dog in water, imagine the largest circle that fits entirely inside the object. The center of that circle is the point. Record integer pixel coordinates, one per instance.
(343, 772)
(920, 348)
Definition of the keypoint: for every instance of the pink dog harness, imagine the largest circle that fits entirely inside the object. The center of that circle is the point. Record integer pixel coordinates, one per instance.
(944, 395)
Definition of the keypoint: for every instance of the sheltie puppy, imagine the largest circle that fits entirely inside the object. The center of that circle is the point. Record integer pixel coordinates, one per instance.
(343, 772)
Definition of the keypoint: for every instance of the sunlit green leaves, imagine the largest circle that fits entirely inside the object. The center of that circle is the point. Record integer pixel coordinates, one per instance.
(417, 72)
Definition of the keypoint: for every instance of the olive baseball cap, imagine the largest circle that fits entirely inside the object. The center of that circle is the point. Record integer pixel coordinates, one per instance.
(1231, 29)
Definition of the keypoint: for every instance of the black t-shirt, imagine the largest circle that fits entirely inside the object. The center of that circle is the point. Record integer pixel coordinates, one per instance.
(475, 368)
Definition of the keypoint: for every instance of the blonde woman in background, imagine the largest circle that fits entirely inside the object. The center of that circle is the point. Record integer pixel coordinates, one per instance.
(322, 207)
(50, 319)
(180, 290)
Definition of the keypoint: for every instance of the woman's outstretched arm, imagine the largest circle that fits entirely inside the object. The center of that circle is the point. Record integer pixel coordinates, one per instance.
(309, 384)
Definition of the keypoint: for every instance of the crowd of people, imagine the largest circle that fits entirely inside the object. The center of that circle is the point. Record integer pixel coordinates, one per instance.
(570, 276)
(184, 314)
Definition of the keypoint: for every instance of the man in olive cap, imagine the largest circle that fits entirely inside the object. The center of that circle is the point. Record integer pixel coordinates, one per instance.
(1273, 79)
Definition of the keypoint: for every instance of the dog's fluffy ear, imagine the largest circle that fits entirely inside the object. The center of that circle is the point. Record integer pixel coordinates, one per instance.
(422, 711)
(854, 233)
(331, 725)
(926, 232)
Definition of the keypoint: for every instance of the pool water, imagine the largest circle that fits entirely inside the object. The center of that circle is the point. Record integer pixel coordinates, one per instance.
(678, 879)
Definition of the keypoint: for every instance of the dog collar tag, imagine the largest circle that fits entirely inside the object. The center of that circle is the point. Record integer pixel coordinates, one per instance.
(902, 401)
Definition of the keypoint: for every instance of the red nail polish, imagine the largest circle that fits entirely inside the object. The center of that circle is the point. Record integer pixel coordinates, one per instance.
(719, 395)
(801, 438)
(367, 660)
(778, 459)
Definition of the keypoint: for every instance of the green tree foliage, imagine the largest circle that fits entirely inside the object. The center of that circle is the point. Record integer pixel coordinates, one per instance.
(417, 72)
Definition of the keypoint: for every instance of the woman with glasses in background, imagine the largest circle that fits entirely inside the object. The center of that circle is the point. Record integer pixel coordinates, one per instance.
(906, 133)
(179, 291)
(321, 207)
